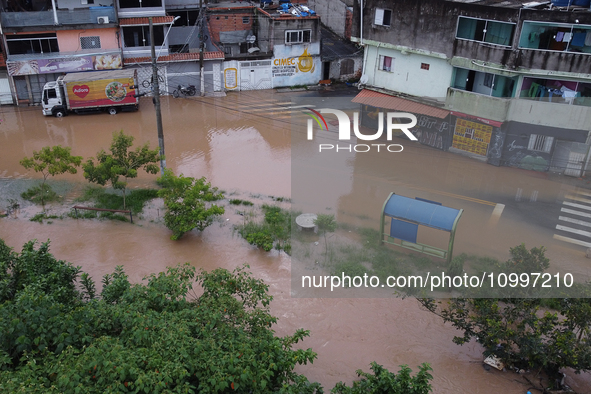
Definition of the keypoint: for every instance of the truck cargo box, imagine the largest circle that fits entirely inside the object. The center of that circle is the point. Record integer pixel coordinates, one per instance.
(100, 89)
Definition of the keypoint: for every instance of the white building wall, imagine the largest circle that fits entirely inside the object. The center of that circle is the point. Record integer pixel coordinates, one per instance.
(406, 75)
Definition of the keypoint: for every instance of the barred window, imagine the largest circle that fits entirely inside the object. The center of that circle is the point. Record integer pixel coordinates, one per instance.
(93, 42)
(540, 143)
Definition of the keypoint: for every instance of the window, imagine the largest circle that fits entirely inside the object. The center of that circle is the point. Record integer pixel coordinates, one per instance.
(383, 17)
(540, 143)
(424, 66)
(246, 19)
(31, 43)
(556, 37)
(493, 32)
(386, 63)
(187, 18)
(139, 36)
(298, 36)
(140, 3)
(93, 42)
(347, 66)
(493, 85)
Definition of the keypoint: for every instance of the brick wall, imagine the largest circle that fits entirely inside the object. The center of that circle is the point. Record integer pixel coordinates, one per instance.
(219, 22)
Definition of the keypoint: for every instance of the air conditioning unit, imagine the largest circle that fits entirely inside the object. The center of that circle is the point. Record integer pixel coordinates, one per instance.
(102, 20)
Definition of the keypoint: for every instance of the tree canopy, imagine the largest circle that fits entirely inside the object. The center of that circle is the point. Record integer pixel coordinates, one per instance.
(182, 331)
(52, 161)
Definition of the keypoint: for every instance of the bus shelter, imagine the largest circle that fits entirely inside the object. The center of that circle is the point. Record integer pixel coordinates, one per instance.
(407, 214)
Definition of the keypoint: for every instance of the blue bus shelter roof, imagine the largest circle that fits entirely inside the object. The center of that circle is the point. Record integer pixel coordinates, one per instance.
(424, 213)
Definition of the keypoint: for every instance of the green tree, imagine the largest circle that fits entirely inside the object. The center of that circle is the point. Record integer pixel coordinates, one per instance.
(121, 162)
(51, 161)
(384, 381)
(179, 331)
(185, 199)
(326, 223)
(523, 332)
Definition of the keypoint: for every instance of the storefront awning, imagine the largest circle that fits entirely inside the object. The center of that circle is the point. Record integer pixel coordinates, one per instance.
(385, 101)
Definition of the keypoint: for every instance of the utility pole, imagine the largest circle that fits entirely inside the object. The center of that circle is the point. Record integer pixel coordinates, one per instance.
(201, 47)
(156, 87)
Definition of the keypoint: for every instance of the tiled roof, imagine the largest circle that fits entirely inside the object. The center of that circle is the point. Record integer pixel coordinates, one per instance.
(156, 20)
(175, 57)
(385, 101)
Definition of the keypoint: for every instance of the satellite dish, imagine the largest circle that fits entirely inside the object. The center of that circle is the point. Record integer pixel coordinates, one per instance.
(251, 39)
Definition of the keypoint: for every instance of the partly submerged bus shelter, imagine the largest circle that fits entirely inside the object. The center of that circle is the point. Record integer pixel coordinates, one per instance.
(407, 214)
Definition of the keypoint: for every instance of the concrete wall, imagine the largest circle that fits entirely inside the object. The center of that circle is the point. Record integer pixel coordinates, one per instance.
(407, 75)
(335, 69)
(480, 105)
(71, 4)
(295, 23)
(69, 40)
(333, 14)
(550, 114)
(184, 34)
(264, 31)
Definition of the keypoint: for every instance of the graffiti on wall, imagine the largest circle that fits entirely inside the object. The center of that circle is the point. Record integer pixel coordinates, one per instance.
(518, 155)
(432, 131)
(472, 136)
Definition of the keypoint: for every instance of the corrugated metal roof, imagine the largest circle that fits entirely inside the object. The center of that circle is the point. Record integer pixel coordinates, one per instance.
(156, 20)
(385, 101)
(175, 57)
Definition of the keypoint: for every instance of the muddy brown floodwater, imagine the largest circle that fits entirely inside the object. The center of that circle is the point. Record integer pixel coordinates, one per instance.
(241, 143)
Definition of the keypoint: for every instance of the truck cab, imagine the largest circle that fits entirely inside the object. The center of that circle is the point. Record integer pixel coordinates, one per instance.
(54, 100)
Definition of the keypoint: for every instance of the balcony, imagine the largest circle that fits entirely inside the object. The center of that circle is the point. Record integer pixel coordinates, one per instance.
(28, 21)
(487, 107)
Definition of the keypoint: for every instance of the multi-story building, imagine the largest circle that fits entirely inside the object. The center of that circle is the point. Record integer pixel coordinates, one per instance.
(178, 28)
(274, 46)
(40, 45)
(508, 82)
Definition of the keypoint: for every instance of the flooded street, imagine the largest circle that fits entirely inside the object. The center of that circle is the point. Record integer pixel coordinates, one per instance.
(242, 144)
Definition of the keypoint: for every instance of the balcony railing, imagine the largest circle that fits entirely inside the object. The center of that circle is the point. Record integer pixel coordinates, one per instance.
(80, 16)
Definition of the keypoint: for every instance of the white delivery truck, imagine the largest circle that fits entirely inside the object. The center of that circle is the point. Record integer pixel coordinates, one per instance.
(110, 91)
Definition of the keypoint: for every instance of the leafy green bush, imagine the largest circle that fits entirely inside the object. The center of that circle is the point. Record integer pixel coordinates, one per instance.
(237, 201)
(384, 381)
(275, 229)
(135, 200)
(262, 239)
(40, 194)
(185, 199)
